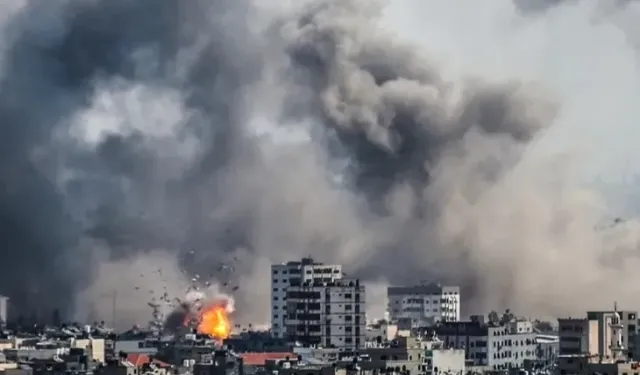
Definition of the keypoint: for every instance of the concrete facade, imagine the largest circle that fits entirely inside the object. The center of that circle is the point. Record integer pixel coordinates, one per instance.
(494, 346)
(424, 304)
(329, 314)
(590, 336)
(295, 274)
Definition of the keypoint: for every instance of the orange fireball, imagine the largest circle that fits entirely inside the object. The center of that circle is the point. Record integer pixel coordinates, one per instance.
(214, 321)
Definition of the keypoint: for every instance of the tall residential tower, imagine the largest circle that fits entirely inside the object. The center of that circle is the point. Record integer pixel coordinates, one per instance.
(295, 274)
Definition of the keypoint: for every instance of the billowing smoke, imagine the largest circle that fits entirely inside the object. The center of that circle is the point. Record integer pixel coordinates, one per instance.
(188, 312)
(147, 141)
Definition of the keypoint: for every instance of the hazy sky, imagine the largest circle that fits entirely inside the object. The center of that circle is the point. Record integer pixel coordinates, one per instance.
(583, 52)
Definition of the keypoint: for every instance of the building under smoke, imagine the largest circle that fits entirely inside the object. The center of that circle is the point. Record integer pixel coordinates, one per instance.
(134, 133)
(329, 314)
(424, 304)
(294, 274)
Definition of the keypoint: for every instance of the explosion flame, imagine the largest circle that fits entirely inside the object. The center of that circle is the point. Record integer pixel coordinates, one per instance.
(214, 321)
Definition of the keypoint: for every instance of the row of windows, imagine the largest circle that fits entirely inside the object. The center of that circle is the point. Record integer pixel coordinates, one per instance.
(516, 355)
(296, 271)
(423, 301)
(410, 310)
(513, 342)
(346, 295)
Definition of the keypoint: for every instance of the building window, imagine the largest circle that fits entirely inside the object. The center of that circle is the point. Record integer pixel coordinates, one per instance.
(275, 272)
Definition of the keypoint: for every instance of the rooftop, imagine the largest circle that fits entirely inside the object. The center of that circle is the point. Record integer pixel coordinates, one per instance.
(139, 360)
(422, 289)
(259, 359)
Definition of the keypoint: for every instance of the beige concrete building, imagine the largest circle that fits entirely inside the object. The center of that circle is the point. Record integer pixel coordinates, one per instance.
(591, 336)
(95, 348)
(578, 336)
(597, 344)
(583, 365)
(381, 330)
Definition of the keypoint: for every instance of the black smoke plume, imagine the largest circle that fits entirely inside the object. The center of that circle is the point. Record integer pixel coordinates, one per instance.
(145, 141)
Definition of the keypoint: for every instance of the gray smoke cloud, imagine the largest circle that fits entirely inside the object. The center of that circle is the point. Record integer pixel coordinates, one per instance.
(147, 141)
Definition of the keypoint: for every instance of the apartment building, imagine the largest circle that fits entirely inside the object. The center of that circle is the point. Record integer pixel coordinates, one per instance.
(424, 304)
(497, 346)
(327, 314)
(295, 274)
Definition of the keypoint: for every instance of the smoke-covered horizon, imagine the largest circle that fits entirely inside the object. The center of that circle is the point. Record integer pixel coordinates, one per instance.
(144, 142)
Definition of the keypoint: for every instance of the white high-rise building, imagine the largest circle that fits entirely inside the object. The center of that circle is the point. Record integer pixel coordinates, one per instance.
(294, 274)
(327, 314)
(424, 304)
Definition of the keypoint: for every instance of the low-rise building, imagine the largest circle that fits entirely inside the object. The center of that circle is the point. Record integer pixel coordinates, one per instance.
(440, 360)
(140, 346)
(256, 341)
(381, 331)
(605, 352)
(590, 336)
(254, 363)
(497, 345)
(135, 364)
(403, 353)
(576, 336)
(585, 365)
(329, 355)
(95, 348)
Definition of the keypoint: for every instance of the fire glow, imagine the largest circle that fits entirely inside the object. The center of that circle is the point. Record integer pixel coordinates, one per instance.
(211, 319)
(214, 321)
